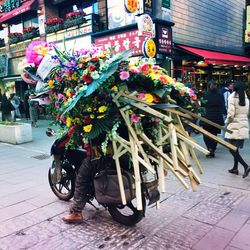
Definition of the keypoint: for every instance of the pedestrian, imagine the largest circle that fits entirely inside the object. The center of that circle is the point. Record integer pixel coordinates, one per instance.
(214, 108)
(226, 91)
(15, 101)
(237, 122)
(6, 108)
(26, 104)
(33, 105)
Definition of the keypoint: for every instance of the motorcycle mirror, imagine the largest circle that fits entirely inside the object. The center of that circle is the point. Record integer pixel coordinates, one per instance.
(50, 132)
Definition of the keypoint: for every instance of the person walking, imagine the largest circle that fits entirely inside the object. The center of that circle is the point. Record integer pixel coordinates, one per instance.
(33, 112)
(15, 101)
(214, 108)
(6, 108)
(237, 122)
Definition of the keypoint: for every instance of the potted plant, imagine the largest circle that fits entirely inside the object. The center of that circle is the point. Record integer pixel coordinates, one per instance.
(30, 32)
(53, 24)
(2, 43)
(15, 37)
(75, 18)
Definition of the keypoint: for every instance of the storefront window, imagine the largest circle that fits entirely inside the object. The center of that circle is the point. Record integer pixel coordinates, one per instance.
(31, 22)
(117, 16)
(88, 7)
(16, 28)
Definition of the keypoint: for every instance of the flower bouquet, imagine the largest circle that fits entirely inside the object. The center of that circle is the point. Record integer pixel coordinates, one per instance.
(30, 32)
(75, 18)
(15, 37)
(54, 24)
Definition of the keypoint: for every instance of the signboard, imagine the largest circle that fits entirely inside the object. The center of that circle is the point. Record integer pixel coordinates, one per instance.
(146, 26)
(3, 65)
(10, 5)
(122, 41)
(131, 6)
(247, 31)
(164, 39)
(149, 48)
(165, 4)
(146, 7)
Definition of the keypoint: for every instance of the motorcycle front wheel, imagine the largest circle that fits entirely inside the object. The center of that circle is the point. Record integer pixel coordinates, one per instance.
(64, 189)
(128, 214)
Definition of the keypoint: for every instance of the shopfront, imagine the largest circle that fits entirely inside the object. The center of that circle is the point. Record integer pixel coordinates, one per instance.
(198, 66)
(127, 37)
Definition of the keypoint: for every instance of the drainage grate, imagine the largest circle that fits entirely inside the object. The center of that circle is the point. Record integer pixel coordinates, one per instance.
(41, 157)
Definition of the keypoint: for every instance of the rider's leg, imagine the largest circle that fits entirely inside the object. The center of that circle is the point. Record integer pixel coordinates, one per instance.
(81, 190)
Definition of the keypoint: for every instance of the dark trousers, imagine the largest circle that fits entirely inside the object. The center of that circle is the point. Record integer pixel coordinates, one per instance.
(238, 159)
(82, 186)
(210, 143)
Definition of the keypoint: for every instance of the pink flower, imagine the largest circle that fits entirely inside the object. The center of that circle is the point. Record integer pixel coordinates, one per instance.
(124, 75)
(135, 118)
(60, 96)
(57, 104)
(36, 52)
(140, 96)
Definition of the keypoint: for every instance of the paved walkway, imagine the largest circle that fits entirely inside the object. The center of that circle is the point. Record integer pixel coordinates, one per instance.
(217, 216)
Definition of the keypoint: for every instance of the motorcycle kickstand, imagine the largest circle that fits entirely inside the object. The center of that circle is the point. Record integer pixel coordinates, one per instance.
(90, 202)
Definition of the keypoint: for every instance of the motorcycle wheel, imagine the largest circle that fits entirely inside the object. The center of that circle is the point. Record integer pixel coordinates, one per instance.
(127, 214)
(64, 190)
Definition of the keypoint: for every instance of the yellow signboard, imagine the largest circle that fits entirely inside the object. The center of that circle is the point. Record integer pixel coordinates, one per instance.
(131, 6)
(149, 48)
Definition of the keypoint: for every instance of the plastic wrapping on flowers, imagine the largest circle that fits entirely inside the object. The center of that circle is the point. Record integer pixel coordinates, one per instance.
(81, 86)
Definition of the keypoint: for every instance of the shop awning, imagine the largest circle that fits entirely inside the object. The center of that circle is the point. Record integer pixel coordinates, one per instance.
(26, 6)
(213, 57)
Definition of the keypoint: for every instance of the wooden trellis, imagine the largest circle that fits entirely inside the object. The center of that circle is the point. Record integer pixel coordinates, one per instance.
(181, 156)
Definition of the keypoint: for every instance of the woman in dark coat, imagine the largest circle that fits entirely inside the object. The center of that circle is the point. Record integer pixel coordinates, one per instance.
(6, 108)
(214, 109)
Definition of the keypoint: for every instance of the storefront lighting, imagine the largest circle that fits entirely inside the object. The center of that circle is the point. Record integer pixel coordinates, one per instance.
(236, 66)
(39, 11)
(4, 25)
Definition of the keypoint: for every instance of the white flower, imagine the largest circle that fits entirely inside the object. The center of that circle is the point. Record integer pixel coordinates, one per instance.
(95, 75)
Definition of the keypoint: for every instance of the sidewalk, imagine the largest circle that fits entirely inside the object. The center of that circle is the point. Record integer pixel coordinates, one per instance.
(217, 216)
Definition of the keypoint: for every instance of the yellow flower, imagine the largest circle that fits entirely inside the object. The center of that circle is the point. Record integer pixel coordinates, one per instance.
(92, 116)
(51, 84)
(77, 120)
(68, 122)
(149, 98)
(114, 88)
(68, 94)
(100, 116)
(74, 76)
(87, 128)
(89, 109)
(102, 109)
(41, 50)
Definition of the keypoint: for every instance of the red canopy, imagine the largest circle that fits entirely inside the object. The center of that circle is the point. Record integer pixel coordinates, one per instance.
(213, 57)
(26, 6)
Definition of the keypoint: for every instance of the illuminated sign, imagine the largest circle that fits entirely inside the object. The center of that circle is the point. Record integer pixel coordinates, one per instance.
(121, 41)
(10, 5)
(149, 48)
(146, 26)
(131, 6)
(247, 31)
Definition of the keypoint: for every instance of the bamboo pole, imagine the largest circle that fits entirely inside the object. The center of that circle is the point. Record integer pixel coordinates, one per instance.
(119, 174)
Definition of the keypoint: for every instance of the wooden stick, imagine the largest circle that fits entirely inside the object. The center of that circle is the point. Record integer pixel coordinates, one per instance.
(216, 138)
(119, 175)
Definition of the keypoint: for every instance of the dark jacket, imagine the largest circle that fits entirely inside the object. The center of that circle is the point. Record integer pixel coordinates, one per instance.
(214, 108)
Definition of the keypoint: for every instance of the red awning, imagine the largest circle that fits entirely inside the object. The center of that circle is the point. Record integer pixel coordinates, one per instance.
(26, 6)
(213, 57)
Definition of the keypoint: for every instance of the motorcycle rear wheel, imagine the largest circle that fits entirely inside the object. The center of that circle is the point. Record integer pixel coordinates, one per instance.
(128, 214)
(65, 189)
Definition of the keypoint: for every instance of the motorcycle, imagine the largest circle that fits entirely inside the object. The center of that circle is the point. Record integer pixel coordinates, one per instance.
(103, 183)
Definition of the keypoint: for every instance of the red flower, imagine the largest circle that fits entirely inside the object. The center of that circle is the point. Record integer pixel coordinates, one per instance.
(87, 119)
(94, 59)
(92, 68)
(53, 21)
(87, 78)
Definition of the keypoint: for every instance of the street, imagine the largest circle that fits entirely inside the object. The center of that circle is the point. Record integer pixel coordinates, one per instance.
(217, 216)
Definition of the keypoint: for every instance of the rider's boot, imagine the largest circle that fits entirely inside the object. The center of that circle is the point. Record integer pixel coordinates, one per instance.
(73, 217)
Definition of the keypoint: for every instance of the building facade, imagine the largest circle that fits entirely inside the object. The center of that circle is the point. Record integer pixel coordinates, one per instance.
(195, 40)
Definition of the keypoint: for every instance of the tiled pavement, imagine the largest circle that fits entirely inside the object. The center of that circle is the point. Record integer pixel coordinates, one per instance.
(217, 216)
